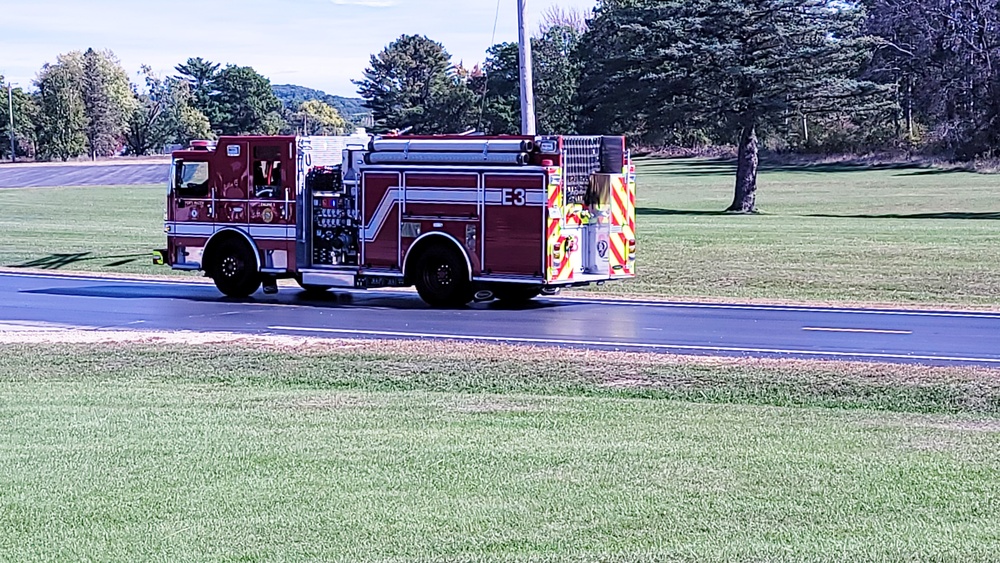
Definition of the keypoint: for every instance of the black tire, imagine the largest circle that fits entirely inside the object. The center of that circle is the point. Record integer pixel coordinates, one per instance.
(515, 292)
(442, 278)
(234, 269)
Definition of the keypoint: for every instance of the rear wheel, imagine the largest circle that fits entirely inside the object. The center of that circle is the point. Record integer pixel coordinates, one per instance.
(516, 293)
(442, 278)
(234, 269)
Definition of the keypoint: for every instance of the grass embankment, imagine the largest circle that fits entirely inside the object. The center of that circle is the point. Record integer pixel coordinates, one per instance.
(354, 452)
(827, 233)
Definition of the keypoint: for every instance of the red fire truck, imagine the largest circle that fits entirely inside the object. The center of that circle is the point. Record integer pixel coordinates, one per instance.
(459, 217)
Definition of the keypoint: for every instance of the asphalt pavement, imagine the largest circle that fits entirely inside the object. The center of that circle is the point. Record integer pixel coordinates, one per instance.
(43, 175)
(927, 337)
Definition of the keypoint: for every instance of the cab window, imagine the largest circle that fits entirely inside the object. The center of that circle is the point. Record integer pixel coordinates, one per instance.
(267, 172)
(191, 179)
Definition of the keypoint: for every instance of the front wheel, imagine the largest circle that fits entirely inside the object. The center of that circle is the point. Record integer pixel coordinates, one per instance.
(442, 278)
(234, 269)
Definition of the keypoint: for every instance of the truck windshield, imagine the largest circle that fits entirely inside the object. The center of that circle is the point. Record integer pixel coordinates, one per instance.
(192, 179)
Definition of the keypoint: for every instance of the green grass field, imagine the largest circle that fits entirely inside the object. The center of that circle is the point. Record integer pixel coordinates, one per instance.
(183, 453)
(827, 233)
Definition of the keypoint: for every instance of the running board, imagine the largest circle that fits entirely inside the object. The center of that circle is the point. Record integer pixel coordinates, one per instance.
(328, 279)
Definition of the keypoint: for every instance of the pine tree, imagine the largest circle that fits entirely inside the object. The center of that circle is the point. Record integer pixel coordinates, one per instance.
(659, 66)
(200, 76)
(404, 83)
(245, 102)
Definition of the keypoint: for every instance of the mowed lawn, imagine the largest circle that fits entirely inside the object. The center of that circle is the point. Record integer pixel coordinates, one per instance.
(826, 233)
(396, 453)
(104, 229)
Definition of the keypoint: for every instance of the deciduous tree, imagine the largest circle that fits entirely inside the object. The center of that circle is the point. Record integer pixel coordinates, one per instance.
(150, 126)
(317, 118)
(942, 55)
(25, 121)
(556, 73)
(108, 100)
(62, 131)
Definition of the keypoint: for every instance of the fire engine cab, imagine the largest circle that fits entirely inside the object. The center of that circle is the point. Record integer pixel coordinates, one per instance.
(459, 217)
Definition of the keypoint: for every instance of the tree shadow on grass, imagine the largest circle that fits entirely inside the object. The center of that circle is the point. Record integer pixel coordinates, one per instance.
(989, 215)
(839, 167)
(62, 260)
(727, 167)
(693, 212)
(932, 172)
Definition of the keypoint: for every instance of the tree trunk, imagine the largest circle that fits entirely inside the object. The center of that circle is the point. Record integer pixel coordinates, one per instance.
(746, 173)
(909, 110)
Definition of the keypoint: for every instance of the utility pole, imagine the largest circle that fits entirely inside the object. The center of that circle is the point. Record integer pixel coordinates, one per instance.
(527, 88)
(10, 112)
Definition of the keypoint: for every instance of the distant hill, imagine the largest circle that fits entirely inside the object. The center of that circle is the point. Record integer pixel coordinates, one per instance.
(292, 96)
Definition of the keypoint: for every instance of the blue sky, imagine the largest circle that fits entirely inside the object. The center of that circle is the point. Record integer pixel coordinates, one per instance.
(321, 44)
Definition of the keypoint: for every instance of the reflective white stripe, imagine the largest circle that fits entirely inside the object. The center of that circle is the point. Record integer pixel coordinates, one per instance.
(271, 231)
(191, 229)
(389, 200)
(442, 195)
(494, 196)
(263, 232)
(532, 198)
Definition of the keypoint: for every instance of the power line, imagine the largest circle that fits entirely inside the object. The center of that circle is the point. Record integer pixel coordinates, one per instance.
(486, 81)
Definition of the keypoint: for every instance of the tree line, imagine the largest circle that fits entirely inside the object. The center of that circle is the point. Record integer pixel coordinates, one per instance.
(85, 104)
(826, 76)
(786, 75)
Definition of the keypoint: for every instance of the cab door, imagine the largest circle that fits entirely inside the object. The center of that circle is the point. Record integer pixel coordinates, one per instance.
(271, 219)
(231, 177)
(190, 217)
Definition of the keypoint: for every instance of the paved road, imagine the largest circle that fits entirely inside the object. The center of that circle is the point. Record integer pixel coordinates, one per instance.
(931, 337)
(83, 175)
